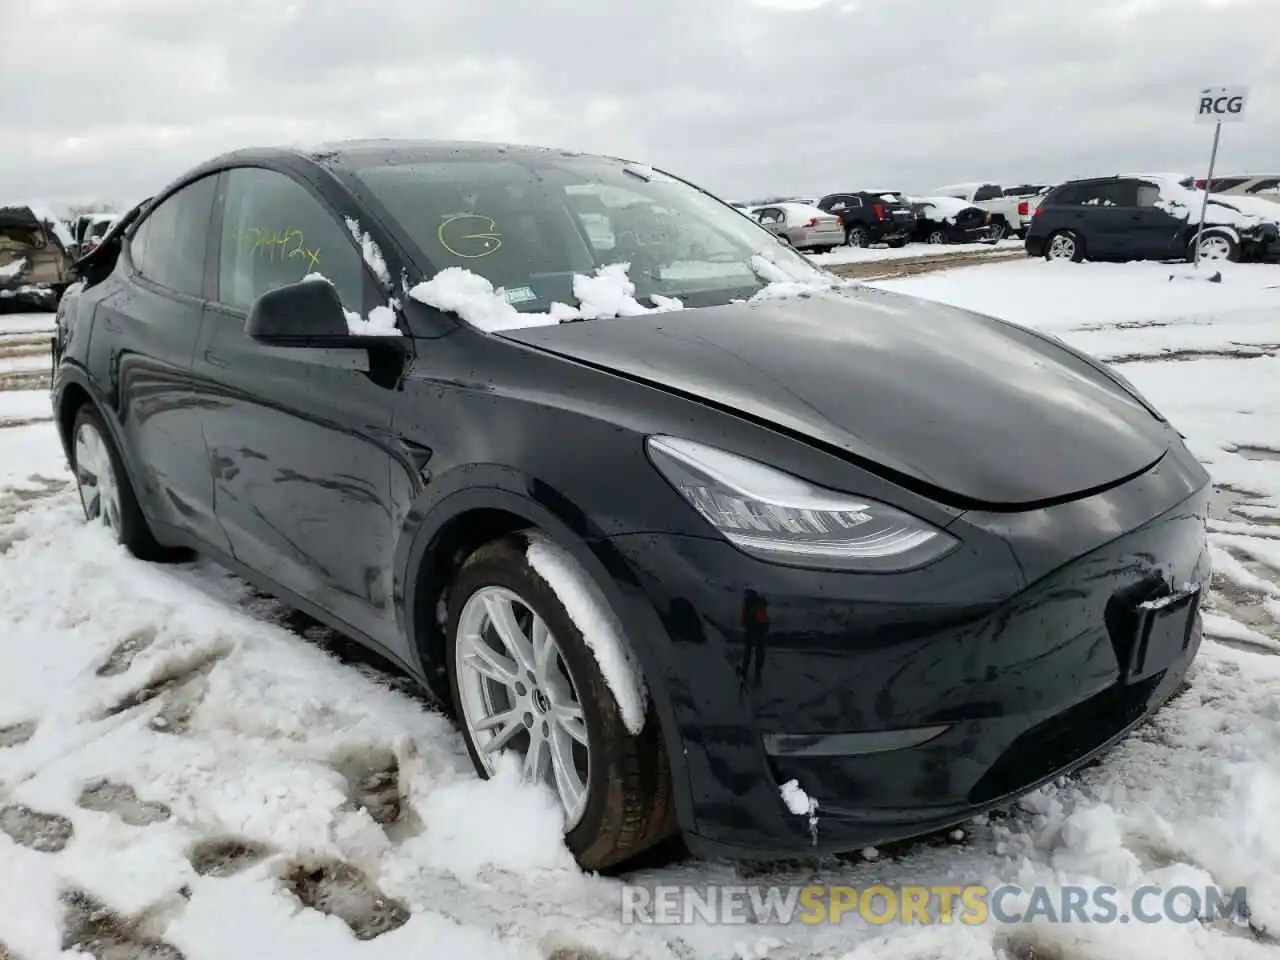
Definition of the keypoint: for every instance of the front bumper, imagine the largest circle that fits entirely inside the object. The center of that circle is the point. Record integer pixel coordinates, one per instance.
(930, 696)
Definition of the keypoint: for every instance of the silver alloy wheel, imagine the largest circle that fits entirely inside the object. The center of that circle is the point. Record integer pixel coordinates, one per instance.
(1215, 247)
(1062, 247)
(857, 237)
(997, 231)
(96, 477)
(937, 237)
(517, 694)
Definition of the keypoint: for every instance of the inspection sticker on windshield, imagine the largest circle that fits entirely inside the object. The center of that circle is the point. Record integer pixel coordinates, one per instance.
(518, 294)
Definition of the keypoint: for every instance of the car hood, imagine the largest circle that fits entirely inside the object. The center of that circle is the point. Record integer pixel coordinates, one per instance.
(970, 410)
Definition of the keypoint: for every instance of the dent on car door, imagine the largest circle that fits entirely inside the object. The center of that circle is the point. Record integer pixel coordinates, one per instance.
(146, 326)
(298, 437)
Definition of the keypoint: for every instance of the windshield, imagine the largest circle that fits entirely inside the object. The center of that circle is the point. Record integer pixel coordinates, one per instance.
(528, 224)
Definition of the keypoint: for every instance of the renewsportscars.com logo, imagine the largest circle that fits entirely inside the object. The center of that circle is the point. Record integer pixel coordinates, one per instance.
(937, 904)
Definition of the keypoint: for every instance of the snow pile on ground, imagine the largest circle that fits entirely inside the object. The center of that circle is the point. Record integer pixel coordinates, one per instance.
(911, 251)
(13, 268)
(184, 768)
(609, 292)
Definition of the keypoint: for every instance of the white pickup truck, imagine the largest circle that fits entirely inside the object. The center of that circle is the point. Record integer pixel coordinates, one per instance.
(1009, 215)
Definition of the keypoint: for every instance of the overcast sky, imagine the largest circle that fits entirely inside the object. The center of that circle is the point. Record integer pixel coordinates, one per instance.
(111, 98)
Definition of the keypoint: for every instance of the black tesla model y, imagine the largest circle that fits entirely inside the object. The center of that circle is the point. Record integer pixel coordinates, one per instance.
(704, 539)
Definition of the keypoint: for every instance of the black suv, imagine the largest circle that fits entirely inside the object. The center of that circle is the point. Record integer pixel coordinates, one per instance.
(1141, 218)
(871, 216)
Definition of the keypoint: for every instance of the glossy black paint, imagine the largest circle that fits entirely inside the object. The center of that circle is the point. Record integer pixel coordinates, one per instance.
(345, 478)
(917, 390)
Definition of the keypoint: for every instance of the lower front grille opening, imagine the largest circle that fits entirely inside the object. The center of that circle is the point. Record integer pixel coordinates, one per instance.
(1063, 739)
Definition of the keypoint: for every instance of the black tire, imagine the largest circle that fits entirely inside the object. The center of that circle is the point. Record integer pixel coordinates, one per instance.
(133, 531)
(629, 804)
(897, 243)
(823, 249)
(856, 236)
(999, 229)
(937, 236)
(1077, 256)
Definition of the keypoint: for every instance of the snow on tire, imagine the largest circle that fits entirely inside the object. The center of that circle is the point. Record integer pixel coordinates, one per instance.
(525, 680)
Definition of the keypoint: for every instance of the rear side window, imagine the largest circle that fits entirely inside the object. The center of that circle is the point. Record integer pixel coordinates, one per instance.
(168, 248)
(988, 191)
(1265, 186)
(1100, 193)
(274, 233)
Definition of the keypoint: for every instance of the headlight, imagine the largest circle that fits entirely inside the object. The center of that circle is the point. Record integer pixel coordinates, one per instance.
(777, 517)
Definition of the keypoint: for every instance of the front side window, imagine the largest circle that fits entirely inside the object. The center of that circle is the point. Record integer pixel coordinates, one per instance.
(274, 233)
(528, 224)
(169, 246)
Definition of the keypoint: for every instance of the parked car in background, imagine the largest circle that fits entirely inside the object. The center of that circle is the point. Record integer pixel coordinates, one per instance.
(1022, 190)
(1142, 218)
(1263, 185)
(35, 265)
(948, 220)
(93, 229)
(871, 216)
(804, 227)
(1009, 215)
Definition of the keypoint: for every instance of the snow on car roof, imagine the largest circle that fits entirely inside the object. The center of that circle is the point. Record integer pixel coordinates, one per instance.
(948, 206)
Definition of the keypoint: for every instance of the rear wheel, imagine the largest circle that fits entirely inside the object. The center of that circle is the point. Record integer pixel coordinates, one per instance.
(1064, 245)
(856, 236)
(998, 230)
(937, 236)
(524, 681)
(105, 491)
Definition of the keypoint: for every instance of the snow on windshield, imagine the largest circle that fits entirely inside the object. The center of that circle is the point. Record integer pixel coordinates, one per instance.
(606, 293)
(1177, 201)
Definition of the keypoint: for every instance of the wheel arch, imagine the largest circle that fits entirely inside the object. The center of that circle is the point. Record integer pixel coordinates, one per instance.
(439, 537)
(503, 502)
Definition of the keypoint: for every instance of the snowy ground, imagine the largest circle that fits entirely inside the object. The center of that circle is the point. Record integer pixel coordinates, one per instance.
(910, 251)
(186, 768)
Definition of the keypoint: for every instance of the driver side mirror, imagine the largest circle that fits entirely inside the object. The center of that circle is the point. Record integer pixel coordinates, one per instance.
(303, 314)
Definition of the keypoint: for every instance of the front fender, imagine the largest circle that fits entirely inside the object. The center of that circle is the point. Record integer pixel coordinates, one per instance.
(491, 487)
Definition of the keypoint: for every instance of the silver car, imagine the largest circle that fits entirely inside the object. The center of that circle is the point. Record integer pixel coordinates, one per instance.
(806, 227)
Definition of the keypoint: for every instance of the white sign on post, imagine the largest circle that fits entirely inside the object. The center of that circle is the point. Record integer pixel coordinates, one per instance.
(1221, 104)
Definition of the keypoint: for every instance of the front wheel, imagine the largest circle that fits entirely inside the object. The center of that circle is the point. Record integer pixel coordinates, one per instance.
(937, 236)
(1215, 246)
(524, 681)
(998, 230)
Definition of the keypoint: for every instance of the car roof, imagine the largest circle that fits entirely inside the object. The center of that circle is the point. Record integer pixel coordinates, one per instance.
(369, 152)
